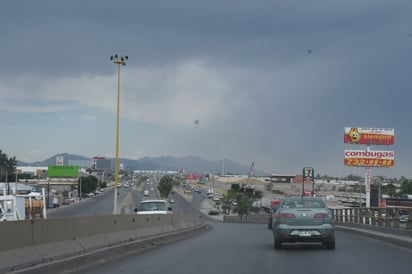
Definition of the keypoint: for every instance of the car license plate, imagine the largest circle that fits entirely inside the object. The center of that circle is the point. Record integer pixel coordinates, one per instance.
(304, 233)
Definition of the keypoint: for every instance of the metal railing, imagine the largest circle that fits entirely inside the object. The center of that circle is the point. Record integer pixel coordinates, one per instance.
(392, 218)
(397, 218)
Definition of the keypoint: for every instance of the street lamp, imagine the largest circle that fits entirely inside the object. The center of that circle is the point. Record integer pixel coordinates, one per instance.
(119, 60)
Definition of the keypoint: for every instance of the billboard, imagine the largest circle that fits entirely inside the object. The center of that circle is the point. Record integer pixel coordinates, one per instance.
(63, 171)
(369, 158)
(369, 136)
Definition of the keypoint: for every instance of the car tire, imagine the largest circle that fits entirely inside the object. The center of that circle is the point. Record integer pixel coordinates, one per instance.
(277, 244)
(330, 245)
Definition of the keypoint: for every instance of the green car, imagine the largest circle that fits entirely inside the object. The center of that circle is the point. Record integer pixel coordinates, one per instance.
(303, 219)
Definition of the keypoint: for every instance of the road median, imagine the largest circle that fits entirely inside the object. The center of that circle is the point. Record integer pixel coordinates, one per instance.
(48, 240)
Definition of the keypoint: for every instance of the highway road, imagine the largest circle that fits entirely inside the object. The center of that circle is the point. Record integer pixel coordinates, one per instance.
(128, 198)
(247, 248)
(101, 204)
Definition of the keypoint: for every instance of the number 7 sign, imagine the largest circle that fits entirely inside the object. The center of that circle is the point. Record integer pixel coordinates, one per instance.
(308, 172)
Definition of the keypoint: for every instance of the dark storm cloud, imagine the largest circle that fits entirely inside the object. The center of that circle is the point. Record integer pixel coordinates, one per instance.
(76, 36)
(278, 79)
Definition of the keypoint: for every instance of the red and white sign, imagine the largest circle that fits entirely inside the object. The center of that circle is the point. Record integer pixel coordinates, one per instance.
(369, 136)
(59, 160)
(369, 158)
(308, 193)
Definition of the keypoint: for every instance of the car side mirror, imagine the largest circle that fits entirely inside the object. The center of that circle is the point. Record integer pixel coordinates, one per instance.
(135, 210)
(169, 208)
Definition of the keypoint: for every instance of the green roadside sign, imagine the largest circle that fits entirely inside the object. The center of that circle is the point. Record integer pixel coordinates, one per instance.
(63, 171)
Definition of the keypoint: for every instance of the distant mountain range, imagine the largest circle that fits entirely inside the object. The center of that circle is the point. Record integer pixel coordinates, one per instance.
(189, 164)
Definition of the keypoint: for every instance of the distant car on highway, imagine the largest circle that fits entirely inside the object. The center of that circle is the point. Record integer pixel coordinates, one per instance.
(153, 207)
(68, 201)
(274, 204)
(404, 216)
(303, 219)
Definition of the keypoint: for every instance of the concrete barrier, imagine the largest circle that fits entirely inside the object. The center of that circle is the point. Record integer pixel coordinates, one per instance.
(30, 242)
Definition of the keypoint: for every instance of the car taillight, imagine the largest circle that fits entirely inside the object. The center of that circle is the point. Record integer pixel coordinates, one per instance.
(320, 215)
(287, 216)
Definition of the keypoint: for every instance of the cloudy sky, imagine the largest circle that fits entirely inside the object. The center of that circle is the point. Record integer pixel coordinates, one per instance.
(269, 82)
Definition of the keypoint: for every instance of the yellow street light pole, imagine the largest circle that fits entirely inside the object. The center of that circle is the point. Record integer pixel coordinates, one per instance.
(119, 60)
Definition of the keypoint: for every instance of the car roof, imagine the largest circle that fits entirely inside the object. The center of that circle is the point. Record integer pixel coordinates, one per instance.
(303, 202)
(298, 198)
(153, 201)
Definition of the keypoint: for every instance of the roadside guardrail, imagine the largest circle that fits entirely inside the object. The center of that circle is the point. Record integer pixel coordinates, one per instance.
(32, 242)
(394, 218)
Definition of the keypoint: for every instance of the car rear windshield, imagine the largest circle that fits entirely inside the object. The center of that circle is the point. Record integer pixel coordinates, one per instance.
(152, 206)
(303, 204)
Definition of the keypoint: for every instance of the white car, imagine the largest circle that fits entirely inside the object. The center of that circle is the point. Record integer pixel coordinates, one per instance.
(153, 207)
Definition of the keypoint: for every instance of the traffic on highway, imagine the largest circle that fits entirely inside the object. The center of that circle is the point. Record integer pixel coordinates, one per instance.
(235, 247)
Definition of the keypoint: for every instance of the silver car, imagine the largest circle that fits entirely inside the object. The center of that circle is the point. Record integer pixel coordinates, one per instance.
(153, 207)
(303, 219)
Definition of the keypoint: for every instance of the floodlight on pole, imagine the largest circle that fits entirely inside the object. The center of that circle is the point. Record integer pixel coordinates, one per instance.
(119, 60)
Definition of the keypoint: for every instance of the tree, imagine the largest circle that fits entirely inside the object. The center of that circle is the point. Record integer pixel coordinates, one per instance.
(389, 189)
(226, 204)
(7, 168)
(235, 187)
(244, 205)
(142, 179)
(406, 187)
(352, 177)
(231, 194)
(89, 184)
(103, 184)
(165, 186)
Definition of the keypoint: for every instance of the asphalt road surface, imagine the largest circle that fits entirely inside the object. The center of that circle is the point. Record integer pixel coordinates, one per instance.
(128, 199)
(241, 248)
(101, 204)
(248, 248)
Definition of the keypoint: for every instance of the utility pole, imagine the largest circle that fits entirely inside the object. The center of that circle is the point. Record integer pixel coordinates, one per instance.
(119, 60)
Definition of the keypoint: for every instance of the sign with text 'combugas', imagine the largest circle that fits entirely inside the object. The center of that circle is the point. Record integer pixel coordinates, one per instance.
(368, 158)
(63, 171)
